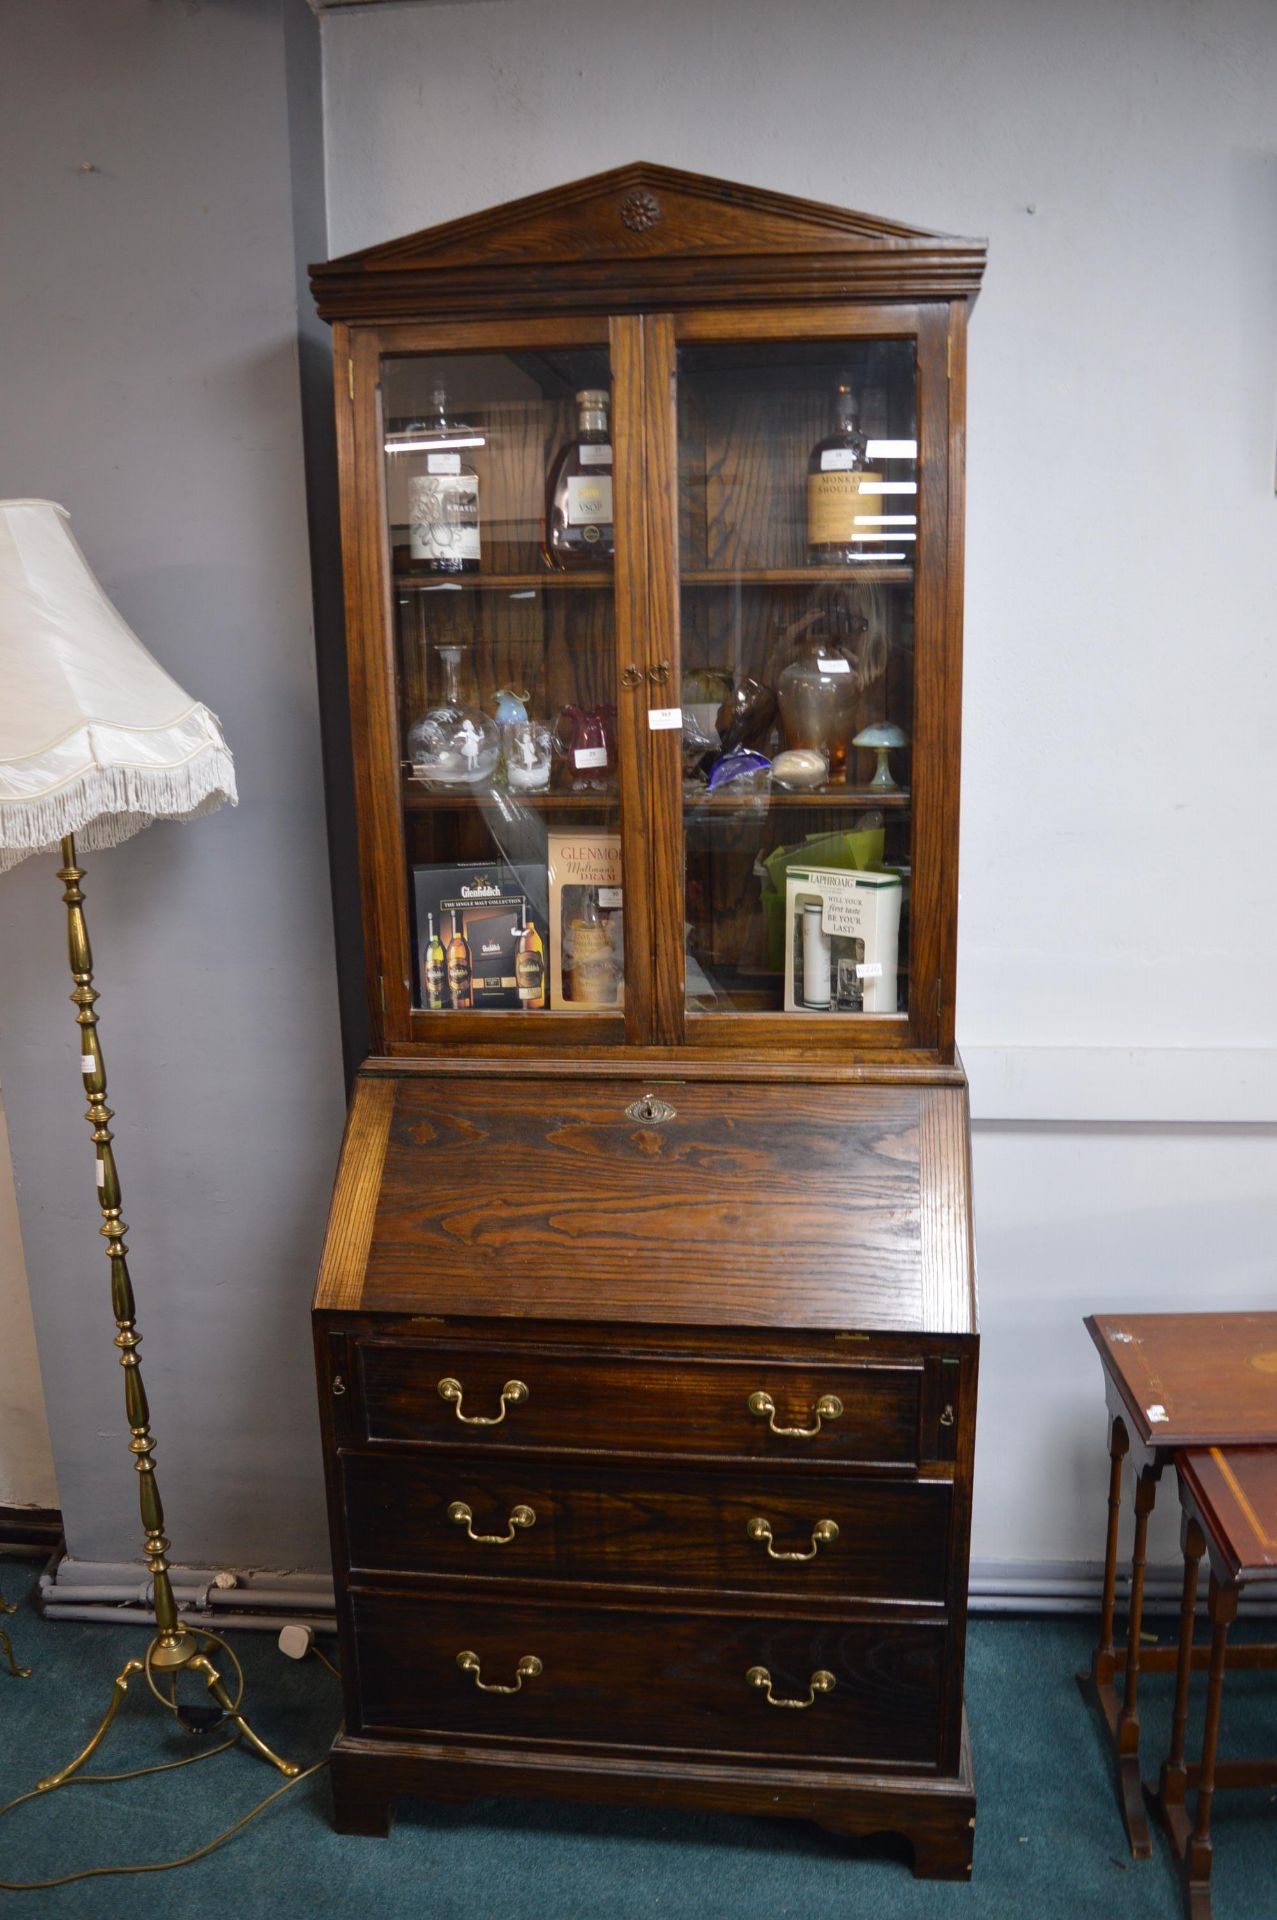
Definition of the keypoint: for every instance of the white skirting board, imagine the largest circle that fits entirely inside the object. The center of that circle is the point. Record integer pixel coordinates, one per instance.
(221, 1599)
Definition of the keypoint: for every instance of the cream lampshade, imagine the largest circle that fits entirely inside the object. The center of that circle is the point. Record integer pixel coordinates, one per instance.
(96, 740)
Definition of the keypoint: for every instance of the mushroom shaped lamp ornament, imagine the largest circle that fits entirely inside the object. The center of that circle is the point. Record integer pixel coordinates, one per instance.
(882, 737)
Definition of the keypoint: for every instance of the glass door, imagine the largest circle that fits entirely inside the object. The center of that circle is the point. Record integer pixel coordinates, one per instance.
(802, 543)
(497, 487)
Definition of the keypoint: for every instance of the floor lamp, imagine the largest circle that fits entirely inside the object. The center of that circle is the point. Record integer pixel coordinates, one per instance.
(97, 742)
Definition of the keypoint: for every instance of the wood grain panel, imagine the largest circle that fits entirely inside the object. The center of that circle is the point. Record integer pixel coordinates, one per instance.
(944, 1185)
(673, 1680)
(354, 1205)
(1193, 1379)
(682, 1528)
(751, 1207)
(687, 1407)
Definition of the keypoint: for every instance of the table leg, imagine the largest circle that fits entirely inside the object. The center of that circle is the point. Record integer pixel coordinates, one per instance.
(1130, 1789)
(1174, 1779)
(1103, 1662)
(1196, 1864)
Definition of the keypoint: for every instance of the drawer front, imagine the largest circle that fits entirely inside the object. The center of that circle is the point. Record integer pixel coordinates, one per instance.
(669, 1680)
(696, 1526)
(563, 1402)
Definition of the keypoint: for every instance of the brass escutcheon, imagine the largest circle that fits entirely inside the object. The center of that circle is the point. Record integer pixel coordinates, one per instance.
(763, 1407)
(651, 1110)
(528, 1669)
(946, 1418)
(632, 676)
(821, 1681)
(513, 1394)
(823, 1534)
(519, 1517)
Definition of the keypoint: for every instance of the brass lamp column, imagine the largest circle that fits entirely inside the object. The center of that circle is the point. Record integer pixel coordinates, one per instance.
(174, 1648)
(97, 741)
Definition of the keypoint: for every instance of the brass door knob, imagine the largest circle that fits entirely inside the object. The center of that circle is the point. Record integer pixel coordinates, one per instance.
(822, 1681)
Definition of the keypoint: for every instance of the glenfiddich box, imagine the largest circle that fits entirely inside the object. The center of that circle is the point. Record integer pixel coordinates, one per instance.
(587, 951)
(842, 938)
(484, 906)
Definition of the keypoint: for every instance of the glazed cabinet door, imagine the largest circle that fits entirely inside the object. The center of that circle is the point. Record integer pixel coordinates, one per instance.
(799, 481)
(493, 510)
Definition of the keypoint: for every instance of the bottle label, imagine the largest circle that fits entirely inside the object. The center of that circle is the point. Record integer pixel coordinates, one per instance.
(833, 503)
(595, 456)
(529, 971)
(443, 515)
(832, 460)
(459, 980)
(589, 501)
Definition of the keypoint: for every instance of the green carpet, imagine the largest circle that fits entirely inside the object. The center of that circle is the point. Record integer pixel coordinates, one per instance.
(1049, 1844)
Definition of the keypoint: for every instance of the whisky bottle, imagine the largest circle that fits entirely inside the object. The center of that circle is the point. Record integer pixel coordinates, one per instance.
(593, 977)
(529, 968)
(443, 494)
(844, 499)
(460, 968)
(435, 972)
(578, 492)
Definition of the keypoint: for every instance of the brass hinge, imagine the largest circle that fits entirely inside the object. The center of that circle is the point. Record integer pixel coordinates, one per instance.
(948, 358)
(381, 982)
(350, 377)
(939, 994)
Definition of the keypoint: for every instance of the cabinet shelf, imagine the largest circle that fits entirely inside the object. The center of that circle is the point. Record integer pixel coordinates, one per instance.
(419, 799)
(499, 582)
(843, 799)
(877, 576)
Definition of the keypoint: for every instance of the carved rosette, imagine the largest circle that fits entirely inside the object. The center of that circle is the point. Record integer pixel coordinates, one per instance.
(640, 211)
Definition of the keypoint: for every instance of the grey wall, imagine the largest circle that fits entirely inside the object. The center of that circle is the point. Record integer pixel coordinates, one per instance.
(1118, 916)
(151, 385)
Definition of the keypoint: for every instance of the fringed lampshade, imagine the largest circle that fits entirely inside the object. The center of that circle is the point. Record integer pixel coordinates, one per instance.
(96, 740)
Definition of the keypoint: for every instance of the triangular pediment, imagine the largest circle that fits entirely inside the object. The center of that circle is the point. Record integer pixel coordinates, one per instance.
(638, 215)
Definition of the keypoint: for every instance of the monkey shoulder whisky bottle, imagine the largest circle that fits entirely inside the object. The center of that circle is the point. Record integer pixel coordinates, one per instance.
(844, 499)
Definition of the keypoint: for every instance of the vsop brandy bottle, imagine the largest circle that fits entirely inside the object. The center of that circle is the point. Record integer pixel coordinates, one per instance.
(843, 497)
(578, 492)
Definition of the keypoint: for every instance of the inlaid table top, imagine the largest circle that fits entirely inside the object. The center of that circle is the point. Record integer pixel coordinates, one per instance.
(1193, 1379)
(1234, 1493)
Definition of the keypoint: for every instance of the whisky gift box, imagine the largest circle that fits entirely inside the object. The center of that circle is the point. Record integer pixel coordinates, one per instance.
(587, 953)
(491, 903)
(842, 938)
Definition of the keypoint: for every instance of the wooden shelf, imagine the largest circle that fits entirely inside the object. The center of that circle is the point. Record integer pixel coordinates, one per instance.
(879, 576)
(825, 799)
(419, 799)
(499, 582)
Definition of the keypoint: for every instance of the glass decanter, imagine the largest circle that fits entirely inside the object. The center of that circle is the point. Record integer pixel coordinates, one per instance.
(453, 744)
(817, 696)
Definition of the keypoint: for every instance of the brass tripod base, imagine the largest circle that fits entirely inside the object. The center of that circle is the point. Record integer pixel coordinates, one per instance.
(6, 1648)
(162, 1656)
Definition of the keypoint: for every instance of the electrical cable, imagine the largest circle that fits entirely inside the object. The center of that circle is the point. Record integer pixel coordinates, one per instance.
(150, 1866)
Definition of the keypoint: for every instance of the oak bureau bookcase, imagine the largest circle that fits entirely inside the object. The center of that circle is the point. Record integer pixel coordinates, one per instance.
(646, 1326)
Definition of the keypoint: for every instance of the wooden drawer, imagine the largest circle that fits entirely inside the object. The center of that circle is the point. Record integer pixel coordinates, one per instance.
(686, 1526)
(673, 1680)
(586, 1402)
